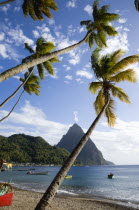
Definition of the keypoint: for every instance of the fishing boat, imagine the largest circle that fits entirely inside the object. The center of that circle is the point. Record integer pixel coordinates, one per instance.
(68, 177)
(37, 173)
(110, 175)
(6, 194)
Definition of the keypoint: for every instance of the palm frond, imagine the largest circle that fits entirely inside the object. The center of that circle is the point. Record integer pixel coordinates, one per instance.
(40, 71)
(127, 75)
(99, 102)
(28, 48)
(86, 22)
(115, 56)
(54, 60)
(95, 9)
(108, 17)
(109, 112)
(45, 48)
(119, 92)
(95, 86)
(121, 65)
(136, 2)
(109, 30)
(48, 66)
(104, 9)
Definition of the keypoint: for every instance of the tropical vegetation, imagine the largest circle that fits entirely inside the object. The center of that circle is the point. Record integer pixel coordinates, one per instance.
(21, 148)
(108, 70)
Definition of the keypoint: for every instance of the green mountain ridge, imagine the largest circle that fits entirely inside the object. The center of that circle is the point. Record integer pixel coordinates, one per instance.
(21, 148)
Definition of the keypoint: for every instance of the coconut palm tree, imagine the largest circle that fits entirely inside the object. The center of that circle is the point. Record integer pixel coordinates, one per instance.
(100, 26)
(37, 8)
(41, 47)
(97, 31)
(30, 84)
(107, 70)
(136, 2)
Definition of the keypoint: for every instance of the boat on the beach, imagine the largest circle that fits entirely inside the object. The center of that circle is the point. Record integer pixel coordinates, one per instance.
(6, 194)
(37, 173)
(110, 175)
(68, 177)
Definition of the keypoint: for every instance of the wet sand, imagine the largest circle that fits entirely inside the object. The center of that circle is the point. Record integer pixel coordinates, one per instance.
(27, 200)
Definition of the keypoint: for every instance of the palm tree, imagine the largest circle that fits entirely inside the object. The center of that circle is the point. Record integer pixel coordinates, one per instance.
(41, 47)
(100, 27)
(30, 83)
(136, 2)
(107, 70)
(97, 31)
(37, 8)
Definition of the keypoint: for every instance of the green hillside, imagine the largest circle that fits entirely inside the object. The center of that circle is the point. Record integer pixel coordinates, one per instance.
(21, 148)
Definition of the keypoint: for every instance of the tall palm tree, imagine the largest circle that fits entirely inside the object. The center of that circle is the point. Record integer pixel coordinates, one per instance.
(136, 2)
(37, 8)
(97, 31)
(107, 70)
(30, 84)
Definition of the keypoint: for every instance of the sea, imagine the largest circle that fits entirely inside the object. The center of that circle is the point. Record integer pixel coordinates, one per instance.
(86, 181)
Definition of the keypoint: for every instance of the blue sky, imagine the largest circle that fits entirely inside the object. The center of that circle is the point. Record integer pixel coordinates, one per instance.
(64, 98)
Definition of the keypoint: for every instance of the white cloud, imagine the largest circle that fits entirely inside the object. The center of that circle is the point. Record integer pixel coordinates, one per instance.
(71, 3)
(18, 37)
(76, 116)
(118, 42)
(3, 51)
(17, 9)
(32, 121)
(79, 81)
(120, 144)
(122, 20)
(43, 31)
(2, 36)
(69, 77)
(5, 8)
(88, 9)
(85, 74)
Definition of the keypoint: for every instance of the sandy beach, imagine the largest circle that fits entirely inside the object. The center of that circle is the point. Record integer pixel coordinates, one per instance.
(27, 200)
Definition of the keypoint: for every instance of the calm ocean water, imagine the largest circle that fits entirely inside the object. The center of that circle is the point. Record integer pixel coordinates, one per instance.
(87, 181)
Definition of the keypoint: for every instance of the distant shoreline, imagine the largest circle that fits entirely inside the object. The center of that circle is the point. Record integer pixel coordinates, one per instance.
(27, 200)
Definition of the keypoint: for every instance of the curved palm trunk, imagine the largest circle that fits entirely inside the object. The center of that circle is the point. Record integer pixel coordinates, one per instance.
(52, 189)
(14, 93)
(6, 2)
(15, 70)
(12, 108)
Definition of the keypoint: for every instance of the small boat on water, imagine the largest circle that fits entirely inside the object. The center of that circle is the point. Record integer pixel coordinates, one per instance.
(68, 177)
(110, 175)
(30, 169)
(37, 173)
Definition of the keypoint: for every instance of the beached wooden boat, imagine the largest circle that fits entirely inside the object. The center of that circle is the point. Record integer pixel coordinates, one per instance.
(6, 194)
(37, 173)
(68, 177)
(110, 176)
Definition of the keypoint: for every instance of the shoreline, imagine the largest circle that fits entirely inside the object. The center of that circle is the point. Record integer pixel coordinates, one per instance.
(27, 200)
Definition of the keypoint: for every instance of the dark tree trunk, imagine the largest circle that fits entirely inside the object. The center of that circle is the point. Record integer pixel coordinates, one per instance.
(52, 189)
